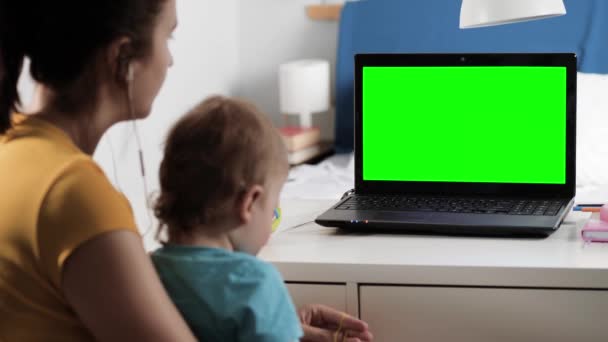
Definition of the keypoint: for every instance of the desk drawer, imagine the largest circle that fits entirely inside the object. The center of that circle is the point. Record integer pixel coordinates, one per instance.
(327, 294)
(439, 314)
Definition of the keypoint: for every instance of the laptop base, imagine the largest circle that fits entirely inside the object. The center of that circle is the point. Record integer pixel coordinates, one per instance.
(439, 223)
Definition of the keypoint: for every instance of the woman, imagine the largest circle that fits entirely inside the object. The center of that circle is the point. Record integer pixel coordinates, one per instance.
(72, 265)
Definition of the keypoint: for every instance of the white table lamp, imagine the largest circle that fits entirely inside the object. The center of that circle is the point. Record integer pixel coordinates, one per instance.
(481, 13)
(304, 88)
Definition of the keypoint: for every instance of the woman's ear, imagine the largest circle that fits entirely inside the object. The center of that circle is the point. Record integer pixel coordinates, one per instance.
(120, 58)
(245, 205)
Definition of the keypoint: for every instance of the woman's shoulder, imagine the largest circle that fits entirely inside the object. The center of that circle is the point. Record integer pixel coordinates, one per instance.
(80, 180)
(40, 161)
(36, 152)
(81, 168)
(84, 171)
(79, 204)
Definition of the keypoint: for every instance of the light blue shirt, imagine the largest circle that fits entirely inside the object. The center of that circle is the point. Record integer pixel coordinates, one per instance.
(227, 296)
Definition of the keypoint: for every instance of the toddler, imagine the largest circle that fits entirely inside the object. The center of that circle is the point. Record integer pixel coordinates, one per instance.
(223, 169)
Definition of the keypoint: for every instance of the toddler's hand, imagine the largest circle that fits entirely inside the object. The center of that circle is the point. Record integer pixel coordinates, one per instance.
(324, 324)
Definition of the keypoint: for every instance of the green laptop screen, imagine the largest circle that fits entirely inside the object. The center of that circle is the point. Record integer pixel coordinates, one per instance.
(464, 124)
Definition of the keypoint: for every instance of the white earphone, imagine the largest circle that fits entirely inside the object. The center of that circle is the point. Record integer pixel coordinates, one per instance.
(130, 73)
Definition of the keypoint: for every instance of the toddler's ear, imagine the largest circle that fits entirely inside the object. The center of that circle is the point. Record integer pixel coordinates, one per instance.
(248, 201)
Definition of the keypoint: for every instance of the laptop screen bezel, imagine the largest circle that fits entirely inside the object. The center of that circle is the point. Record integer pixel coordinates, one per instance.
(566, 190)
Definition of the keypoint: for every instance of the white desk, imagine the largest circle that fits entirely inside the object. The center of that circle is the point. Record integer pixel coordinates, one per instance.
(432, 288)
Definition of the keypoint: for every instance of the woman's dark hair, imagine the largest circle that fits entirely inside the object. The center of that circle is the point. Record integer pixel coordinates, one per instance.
(63, 39)
(212, 154)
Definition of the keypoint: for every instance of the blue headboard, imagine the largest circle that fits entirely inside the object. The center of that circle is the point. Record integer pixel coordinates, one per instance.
(416, 26)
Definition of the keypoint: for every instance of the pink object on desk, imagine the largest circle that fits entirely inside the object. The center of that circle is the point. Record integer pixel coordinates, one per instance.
(604, 213)
(597, 230)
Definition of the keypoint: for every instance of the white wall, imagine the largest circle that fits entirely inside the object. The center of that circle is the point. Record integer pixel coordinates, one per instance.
(272, 32)
(205, 63)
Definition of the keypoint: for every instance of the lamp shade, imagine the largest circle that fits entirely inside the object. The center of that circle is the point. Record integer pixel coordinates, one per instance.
(481, 13)
(304, 86)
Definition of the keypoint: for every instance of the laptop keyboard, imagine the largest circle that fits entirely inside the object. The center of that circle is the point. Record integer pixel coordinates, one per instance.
(453, 205)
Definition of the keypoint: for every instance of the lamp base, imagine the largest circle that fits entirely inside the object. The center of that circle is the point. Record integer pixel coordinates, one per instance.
(306, 120)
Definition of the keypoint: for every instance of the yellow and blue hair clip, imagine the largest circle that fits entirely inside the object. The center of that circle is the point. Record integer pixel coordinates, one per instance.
(276, 219)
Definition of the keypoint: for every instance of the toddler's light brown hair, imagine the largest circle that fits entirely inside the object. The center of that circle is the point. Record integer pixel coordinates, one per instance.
(212, 155)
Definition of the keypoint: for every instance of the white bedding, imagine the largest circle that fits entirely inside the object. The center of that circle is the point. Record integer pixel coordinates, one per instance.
(331, 178)
(326, 180)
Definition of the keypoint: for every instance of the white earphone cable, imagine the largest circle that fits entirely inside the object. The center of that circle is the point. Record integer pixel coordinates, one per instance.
(139, 150)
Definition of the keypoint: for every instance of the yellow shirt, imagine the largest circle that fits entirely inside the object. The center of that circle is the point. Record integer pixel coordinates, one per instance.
(53, 199)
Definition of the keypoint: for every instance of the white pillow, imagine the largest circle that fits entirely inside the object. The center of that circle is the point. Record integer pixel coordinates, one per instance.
(592, 130)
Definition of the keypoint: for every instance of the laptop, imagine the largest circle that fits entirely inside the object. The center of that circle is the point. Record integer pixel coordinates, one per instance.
(475, 144)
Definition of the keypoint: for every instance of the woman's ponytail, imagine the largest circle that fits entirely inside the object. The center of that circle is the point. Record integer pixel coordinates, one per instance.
(12, 53)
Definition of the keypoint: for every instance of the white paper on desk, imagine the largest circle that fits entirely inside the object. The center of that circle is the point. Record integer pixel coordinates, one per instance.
(297, 212)
(326, 180)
